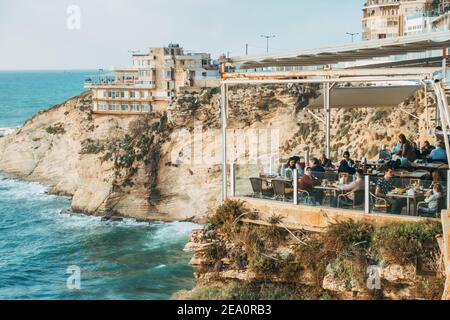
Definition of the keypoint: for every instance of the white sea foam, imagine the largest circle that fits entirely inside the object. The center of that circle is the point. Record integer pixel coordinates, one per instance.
(5, 131)
(22, 190)
(169, 233)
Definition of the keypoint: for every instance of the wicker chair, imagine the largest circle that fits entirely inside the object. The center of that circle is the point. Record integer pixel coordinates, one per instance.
(258, 188)
(358, 198)
(282, 189)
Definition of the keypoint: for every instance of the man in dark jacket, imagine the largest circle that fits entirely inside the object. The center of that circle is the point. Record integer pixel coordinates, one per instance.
(347, 165)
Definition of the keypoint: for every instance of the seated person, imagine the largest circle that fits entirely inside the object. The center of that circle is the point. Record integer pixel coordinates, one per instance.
(407, 148)
(384, 154)
(426, 149)
(397, 147)
(439, 154)
(431, 205)
(347, 165)
(308, 182)
(386, 185)
(316, 167)
(357, 185)
(325, 162)
(289, 168)
(402, 162)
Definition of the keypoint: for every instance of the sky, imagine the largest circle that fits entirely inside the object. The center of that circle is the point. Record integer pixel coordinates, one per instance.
(93, 34)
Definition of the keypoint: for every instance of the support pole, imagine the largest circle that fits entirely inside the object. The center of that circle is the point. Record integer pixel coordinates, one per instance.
(307, 157)
(367, 194)
(223, 110)
(442, 105)
(327, 90)
(427, 113)
(448, 191)
(295, 187)
(233, 179)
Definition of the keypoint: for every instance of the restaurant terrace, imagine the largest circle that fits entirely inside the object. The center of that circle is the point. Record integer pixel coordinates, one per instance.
(390, 84)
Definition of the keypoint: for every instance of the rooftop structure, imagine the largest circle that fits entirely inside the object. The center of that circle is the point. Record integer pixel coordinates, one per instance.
(152, 81)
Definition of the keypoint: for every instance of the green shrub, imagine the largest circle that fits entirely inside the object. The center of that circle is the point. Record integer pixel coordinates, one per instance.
(403, 243)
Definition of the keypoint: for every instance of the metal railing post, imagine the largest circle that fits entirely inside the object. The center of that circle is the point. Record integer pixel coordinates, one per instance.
(233, 179)
(367, 194)
(307, 157)
(295, 187)
(448, 190)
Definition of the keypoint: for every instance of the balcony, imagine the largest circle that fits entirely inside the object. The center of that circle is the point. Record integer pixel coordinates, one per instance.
(128, 84)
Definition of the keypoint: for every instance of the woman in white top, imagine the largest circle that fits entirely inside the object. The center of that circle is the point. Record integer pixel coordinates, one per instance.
(432, 200)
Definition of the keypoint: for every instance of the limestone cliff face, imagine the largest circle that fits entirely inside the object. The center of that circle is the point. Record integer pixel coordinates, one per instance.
(167, 167)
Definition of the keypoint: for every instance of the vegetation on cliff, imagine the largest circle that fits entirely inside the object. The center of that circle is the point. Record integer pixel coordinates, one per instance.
(269, 261)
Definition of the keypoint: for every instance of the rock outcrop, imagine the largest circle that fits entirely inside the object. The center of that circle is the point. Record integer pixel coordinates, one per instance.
(167, 167)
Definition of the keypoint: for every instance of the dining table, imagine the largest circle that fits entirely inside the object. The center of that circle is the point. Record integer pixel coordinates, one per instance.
(410, 199)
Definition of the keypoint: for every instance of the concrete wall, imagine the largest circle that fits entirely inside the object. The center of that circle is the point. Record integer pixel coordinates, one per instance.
(318, 218)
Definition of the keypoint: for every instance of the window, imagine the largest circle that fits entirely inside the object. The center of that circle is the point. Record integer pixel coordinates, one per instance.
(132, 94)
(204, 74)
(134, 107)
(102, 106)
(146, 107)
(124, 106)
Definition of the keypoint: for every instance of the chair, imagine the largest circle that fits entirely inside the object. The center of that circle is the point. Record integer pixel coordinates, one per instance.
(282, 189)
(258, 190)
(379, 204)
(358, 198)
(430, 215)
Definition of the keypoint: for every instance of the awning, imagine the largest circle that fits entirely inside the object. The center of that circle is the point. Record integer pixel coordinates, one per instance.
(379, 96)
(346, 53)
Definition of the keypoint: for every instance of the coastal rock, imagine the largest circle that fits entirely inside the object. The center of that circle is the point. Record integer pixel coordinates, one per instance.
(71, 150)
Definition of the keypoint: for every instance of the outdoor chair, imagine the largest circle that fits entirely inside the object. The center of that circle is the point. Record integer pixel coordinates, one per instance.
(282, 190)
(358, 198)
(431, 215)
(379, 204)
(259, 191)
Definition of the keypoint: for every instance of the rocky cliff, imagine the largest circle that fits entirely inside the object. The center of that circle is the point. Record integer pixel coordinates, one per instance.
(167, 167)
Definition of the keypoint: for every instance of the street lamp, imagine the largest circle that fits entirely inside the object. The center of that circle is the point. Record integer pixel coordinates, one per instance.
(352, 34)
(267, 38)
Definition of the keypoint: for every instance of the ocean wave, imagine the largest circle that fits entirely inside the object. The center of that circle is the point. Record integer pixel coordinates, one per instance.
(171, 232)
(22, 190)
(6, 131)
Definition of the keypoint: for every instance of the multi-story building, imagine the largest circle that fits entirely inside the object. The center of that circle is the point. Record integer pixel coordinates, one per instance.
(153, 80)
(394, 18)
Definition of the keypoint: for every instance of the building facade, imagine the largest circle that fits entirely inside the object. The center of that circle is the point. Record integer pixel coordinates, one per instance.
(394, 18)
(153, 80)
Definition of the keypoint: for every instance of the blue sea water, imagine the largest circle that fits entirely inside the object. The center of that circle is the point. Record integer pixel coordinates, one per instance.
(117, 260)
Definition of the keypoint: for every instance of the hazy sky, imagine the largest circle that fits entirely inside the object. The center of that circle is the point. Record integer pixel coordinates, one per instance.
(34, 34)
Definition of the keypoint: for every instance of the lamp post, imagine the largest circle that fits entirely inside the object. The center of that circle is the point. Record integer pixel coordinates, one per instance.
(352, 34)
(267, 37)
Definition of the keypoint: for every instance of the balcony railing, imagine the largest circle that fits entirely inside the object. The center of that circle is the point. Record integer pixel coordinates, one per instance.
(128, 84)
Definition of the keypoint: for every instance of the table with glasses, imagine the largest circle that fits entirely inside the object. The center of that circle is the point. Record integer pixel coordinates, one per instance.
(410, 198)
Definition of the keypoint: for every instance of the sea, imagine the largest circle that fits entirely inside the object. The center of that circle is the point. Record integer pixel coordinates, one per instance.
(46, 253)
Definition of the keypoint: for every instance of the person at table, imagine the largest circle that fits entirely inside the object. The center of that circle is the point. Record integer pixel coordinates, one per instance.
(384, 186)
(426, 149)
(407, 148)
(289, 168)
(347, 165)
(308, 182)
(439, 154)
(325, 162)
(431, 205)
(351, 188)
(384, 154)
(316, 168)
(401, 162)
